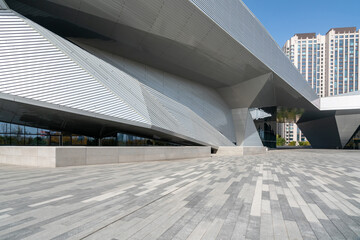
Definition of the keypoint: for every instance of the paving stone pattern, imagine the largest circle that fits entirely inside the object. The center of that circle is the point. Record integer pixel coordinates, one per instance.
(284, 194)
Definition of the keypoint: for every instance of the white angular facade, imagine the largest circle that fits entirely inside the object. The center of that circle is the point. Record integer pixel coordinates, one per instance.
(185, 72)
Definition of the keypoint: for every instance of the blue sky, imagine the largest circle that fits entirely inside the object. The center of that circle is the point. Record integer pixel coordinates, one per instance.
(284, 18)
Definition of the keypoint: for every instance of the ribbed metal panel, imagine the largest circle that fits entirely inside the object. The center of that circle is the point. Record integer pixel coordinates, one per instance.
(217, 43)
(3, 5)
(160, 116)
(32, 67)
(203, 101)
(190, 123)
(119, 82)
(175, 104)
(42, 66)
(219, 39)
(237, 20)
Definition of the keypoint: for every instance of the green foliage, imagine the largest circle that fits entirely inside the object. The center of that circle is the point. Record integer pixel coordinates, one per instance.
(288, 114)
(293, 143)
(280, 141)
(304, 143)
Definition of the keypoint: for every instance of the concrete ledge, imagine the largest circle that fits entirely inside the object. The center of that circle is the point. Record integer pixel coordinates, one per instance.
(230, 151)
(240, 151)
(77, 156)
(255, 150)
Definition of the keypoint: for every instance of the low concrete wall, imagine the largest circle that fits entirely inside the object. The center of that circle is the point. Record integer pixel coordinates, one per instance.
(28, 156)
(230, 151)
(255, 150)
(77, 156)
(240, 151)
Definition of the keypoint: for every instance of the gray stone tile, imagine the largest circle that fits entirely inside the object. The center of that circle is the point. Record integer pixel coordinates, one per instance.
(197, 198)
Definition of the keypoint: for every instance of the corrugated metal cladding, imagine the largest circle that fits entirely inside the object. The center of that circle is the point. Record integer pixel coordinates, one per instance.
(3, 5)
(237, 20)
(39, 65)
(221, 34)
(204, 101)
(32, 67)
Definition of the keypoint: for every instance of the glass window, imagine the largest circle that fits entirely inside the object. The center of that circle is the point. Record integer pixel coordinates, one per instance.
(66, 140)
(90, 141)
(43, 132)
(4, 127)
(30, 130)
(17, 139)
(77, 140)
(55, 140)
(31, 140)
(43, 140)
(109, 141)
(16, 129)
(4, 139)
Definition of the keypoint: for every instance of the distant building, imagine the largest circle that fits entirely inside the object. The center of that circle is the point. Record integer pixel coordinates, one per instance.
(290, 132)
(307, 52)
(342, 61)
(329, 63)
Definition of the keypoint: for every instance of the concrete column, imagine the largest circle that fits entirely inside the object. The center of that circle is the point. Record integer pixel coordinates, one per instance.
(245, 130)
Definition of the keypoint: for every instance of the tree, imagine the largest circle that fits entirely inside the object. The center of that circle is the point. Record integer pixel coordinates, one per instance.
(288, 114)
(280, 141)
(304, 143)
(293, 143)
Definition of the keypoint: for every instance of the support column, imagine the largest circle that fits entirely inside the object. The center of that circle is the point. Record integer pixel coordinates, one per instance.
(245, 130)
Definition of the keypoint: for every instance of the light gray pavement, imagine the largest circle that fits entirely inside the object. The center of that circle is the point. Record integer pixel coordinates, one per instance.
(284, 194)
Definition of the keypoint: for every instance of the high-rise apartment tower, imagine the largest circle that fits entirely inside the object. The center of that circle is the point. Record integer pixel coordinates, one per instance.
(329, 63)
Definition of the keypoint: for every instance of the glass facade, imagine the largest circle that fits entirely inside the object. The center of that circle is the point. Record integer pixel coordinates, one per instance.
(265, 123)
(354, 142)
(344, 68)
(21, 135)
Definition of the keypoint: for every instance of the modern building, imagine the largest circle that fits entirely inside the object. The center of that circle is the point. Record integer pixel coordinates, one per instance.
(290, 132)
(307, 52)
(151, 72)
(329, 63)
(342, 60)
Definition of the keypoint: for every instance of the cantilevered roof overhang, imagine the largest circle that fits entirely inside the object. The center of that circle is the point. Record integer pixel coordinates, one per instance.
(219, 45)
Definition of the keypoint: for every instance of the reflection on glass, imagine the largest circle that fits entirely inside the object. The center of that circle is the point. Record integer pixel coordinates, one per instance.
(354, 142)
(55, 140)
(4, 139)
(91, 141)
(4, 127)
(43, 132)
(66, 140)
(108, 141)
(265, 123)
(30, 130)
(16, 129)
(17, 139)
(77, 140)
(31, 140)
(17, 134)
(43, 140)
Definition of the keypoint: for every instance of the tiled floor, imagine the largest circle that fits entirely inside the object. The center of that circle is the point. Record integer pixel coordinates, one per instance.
(295, 194)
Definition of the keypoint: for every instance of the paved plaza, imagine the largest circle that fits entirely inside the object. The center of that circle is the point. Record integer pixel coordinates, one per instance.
(284, 194)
